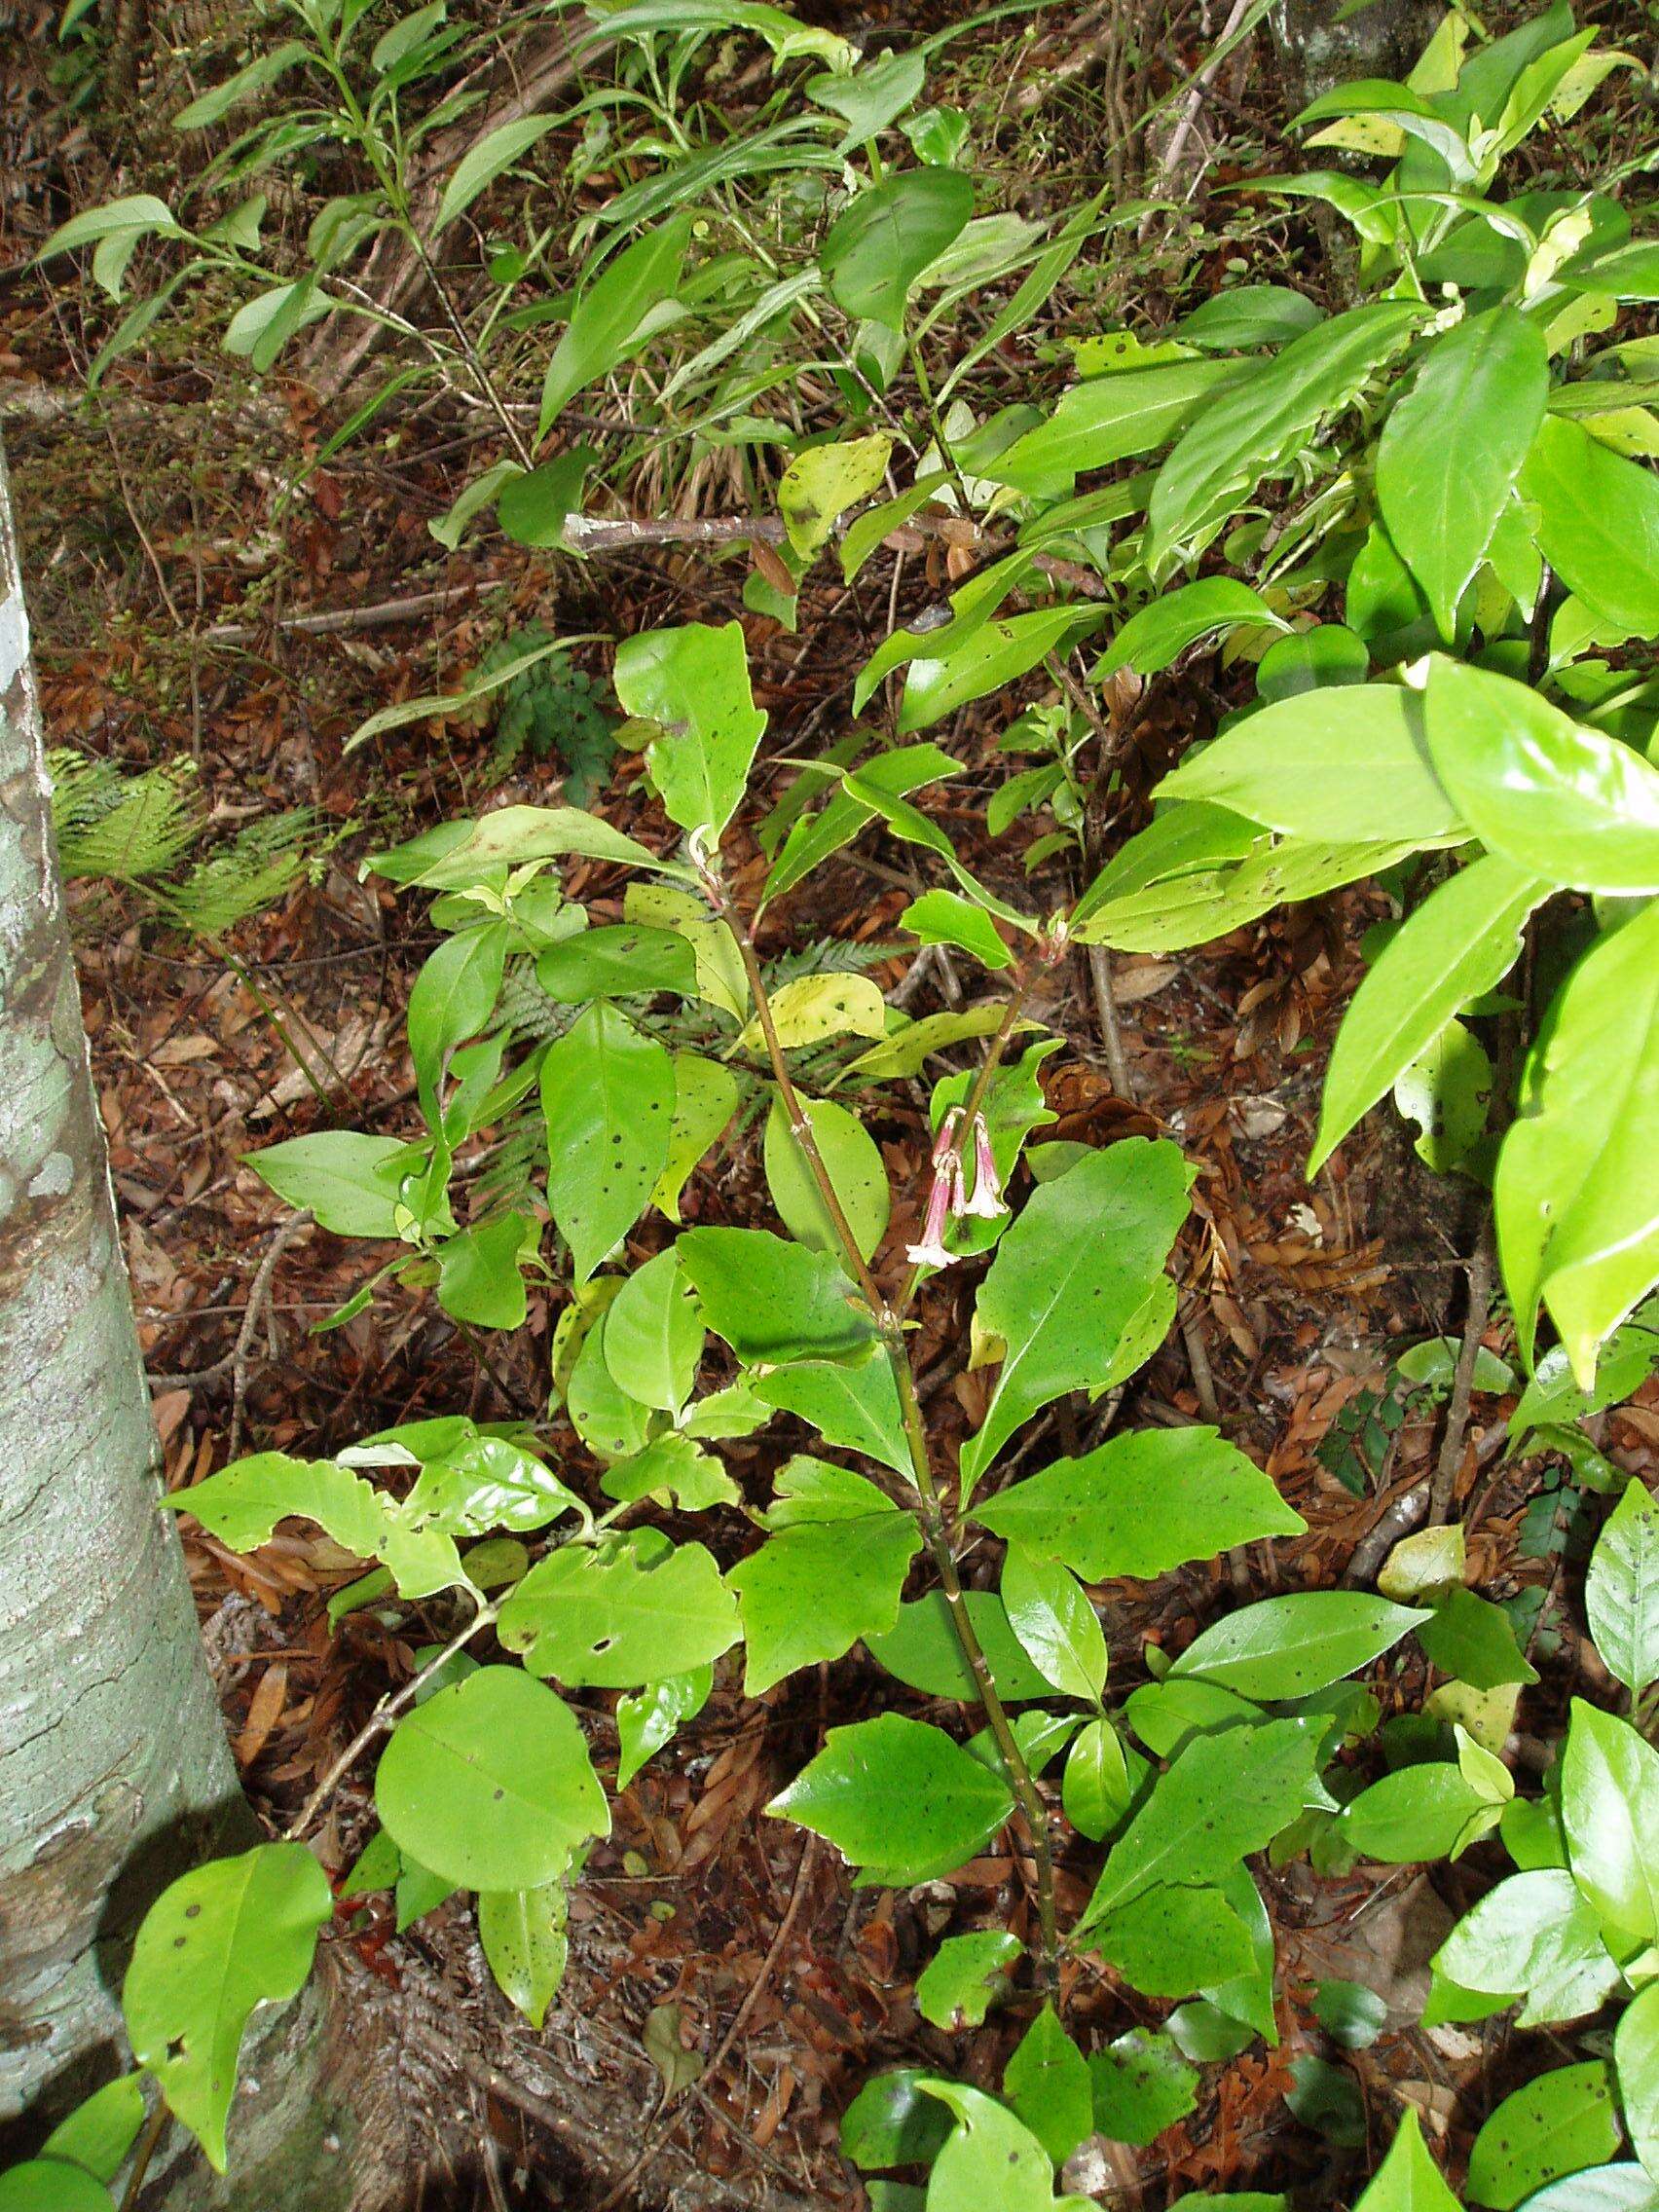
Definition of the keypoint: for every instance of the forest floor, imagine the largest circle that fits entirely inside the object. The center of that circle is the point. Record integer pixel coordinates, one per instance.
(171, 588)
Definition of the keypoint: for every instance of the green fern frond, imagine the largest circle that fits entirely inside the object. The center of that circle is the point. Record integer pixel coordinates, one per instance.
(124, 828)
(260, 866)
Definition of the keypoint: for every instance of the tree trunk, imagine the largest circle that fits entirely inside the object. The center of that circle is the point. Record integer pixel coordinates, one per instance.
(1318, 46)
(114, 1772)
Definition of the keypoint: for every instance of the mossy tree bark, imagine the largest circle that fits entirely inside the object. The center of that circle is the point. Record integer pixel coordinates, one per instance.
(114, 1771)
(1319, 45)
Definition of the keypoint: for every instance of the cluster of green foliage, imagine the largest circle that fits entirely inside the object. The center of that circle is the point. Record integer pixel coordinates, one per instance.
(1426, 522)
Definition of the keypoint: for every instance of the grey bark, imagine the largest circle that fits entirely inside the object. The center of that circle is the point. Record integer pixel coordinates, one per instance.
(1319, 46)
(114, 1771)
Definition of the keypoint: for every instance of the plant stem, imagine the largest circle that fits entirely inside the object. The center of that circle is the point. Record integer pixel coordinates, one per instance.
(142, 2156)
(889, 1321)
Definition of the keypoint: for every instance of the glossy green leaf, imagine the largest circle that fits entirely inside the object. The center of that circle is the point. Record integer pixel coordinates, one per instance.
(1459, 943)
(1597, 523)
(625, 961)
(993, 656)
(1109, 418)
(1535, 1937)
(1166, 1716)
(1097, 1787)
(874, 254)
(1554, 2124)
(1059, 1630)
(1164, 630)
(489, 157)
(524, 1939)
(607, 1095)
(1453, 446)
(774, 1302)
(1256, 429)
(615, 316)
(534, 508)
(1142, 1503)
(814, 838)
(1576, 1205)
(965, 1976)
(946, 917)
(490, 1784)
(52, 2185)
(853, 1404)
(1621, 1592)
(1416, 1813)
(693, 683)
(1172, 1939)
(230, 1935)
(654, 1334)
(988, 2157)
(450, 1000)
(921, 1649)
(1224, 1797)
(1046, 2083)
(480, 1483)
(1618, 2187)
(101, 2130)
(348, 1179)
(1142, 2085)
(892, 2122)
(620, 1617)
(1563, 801)
(717, 963)
(1336, 766)
(1291, 1646)
(897, 1795)
(1073, 1272)
(1472, 1640)
(479, 1278)
(852, 1162)
(833, 1572)
(1609, 1812)
(1408, 2179)
(1635, 2055)
(705, 1099)
(651, 1717)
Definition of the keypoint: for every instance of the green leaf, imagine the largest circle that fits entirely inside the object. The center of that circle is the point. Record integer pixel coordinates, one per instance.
(946, 917)
(139, 212)
(1576, 1208)
(1046, 2083)
(994, 655)
(814, 838)
(965, 1977)
(1096, 1788)
(489, 1784)
(1534, 1936)
(607, 1094)
(891, 2122)
(988, 2157)
(221, 1941)
(1224, 1797)
(534, 508)
(693, 683)
(1077, 1286)
(1621, 2187)
(617, 1618)
(820, 1583)
(1164, 629)
(626, 961)
(1142, 1503)
(1350, 2014)
(1460, 942)
(897, 1795)
(450, 1000)
(1609, 1812)
(1142, 2085)
(524, 1939)
(853, 1404)
(1453, 446)
(616, 313)
(1557, 2123)
(481, 1483)
(909, 1047)
(1170, 1940)
(774, 1302)
(651, 1717)
(1416, 1813)
(654, 1334)
(1246, 315)
(243, 1503)
(823, 482)
(705, 1099)
(1597, 524)
(1472, 1640)
(1635, 2054)
(1106, 420)
(1291, 1646)
(1621, 1592)
(459, 854)
(1408, 2179)
(52, 2185)
(491, 157)
(1565, 802)
(1257, 429)
(1166, 1716)
(717, 963)
(478, 1272)
(345, 1177)
(874, 252)
(851, 1161)
(1051, 1614)
(1337, 766)
(921, 1649)
(101, 2130)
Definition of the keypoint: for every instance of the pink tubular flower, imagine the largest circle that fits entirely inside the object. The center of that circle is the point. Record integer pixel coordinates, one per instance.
(931, 1251)
(987, 1201)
